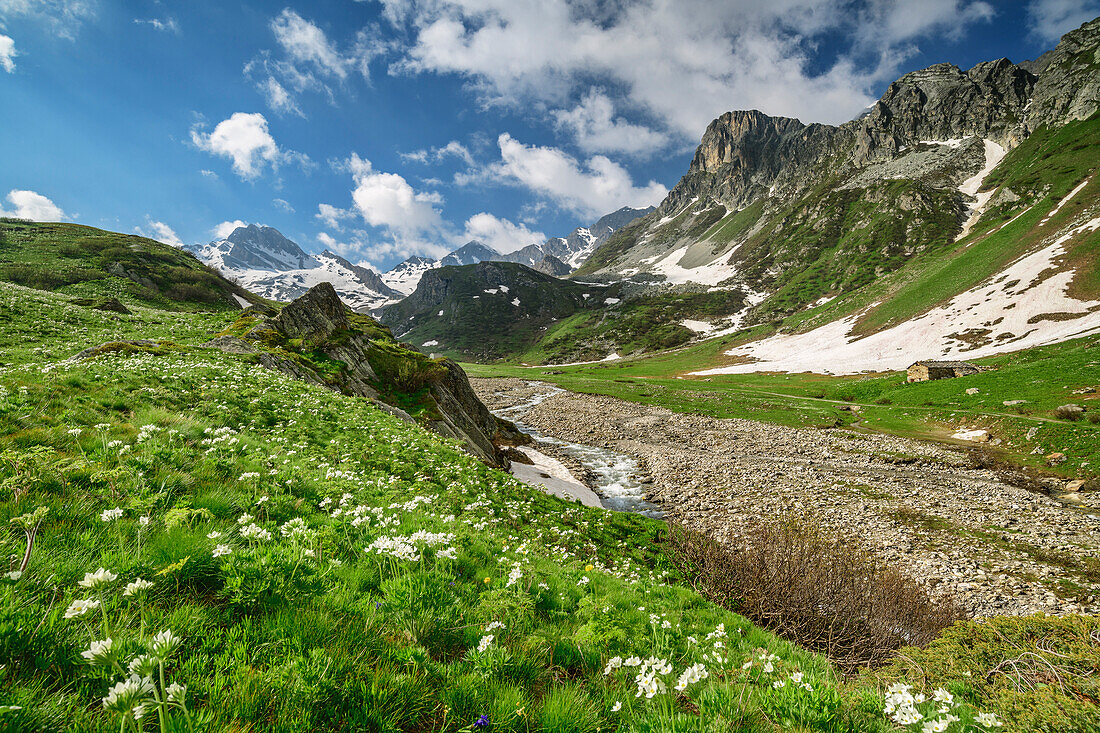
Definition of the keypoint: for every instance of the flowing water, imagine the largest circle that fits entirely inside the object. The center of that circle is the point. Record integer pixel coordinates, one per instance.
(617, 485)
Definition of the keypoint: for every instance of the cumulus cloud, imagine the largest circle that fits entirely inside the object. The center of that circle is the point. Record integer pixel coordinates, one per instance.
(500, 234)
(679, 63)
(159, 231)
(223, 230)
(593, 188)
(33, 206)
(387, 200)
(63, 17)
(1049, 19)
(7, 53)
(244, 139)
(596, 129)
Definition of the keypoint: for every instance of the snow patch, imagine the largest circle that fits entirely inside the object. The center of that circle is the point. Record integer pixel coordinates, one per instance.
(973, 324)
(433, 342)
(711, 274)
(612, 301)
(552, 476)
(515, 302)
(494, 291)
(1063, 202)
(241, 301)
(504, 288)
(994, 153)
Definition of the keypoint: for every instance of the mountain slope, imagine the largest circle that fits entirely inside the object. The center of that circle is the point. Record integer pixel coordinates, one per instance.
(570, 251)
(93, 263)
(814, 218)
(487, 310)
(267, 263)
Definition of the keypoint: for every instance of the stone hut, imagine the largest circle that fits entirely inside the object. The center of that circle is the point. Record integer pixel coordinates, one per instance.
(924, 371)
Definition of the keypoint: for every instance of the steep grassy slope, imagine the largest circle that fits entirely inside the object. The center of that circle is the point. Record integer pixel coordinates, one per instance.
(87, 262)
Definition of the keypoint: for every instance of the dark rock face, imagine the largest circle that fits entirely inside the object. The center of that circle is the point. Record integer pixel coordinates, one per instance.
(257, 247)
(551, 265)
(376, 367)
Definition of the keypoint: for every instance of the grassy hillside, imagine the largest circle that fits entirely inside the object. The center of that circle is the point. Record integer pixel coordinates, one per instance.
(374, 579)
(271, 569)
(92, 263)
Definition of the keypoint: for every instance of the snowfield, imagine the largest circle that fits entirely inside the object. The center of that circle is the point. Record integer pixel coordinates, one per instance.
(991, 318)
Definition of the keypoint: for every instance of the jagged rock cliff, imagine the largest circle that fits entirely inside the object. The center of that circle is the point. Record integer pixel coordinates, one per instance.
(770, 203)
(318, 339)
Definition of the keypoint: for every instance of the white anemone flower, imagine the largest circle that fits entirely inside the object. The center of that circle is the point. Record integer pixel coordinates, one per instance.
(98, 578)
(136, 588)
(164, 644)
(99, 652)
(128, 694)
(81, 606)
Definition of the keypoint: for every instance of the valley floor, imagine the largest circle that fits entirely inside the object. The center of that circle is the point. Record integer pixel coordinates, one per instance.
(998, 548)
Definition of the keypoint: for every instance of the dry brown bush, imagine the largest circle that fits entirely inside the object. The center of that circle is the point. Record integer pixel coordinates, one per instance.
(815, 589)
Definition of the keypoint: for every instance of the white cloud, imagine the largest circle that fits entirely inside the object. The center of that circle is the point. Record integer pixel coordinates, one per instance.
(223, 230)
(596, 129)
(244, 139)
(209, 174)
(278, 98)
(500, 234)
(33, 206)
(304, 42)
(283, 205)
(167, 25)
(331, 216)
(7, 53)
(679, 63)
(453, 149)
(1049, 19)
(387, 200)
(63, 17)
(309, 61)
(159, 231)
(597, 187)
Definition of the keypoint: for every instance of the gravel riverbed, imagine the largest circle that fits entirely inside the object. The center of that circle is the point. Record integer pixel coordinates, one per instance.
(999, 549)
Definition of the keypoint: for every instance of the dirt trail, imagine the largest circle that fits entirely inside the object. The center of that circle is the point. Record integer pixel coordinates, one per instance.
(998, 548)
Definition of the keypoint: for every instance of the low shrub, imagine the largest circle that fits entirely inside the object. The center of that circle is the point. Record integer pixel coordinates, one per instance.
(815, 589)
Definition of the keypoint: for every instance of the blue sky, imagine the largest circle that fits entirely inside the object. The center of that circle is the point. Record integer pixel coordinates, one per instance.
(386, 128)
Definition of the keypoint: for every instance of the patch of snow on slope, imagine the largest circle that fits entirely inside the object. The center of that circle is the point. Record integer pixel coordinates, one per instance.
(994, 153)
(241, 301)
(515, 302)
(980, 314)
(1063, 202)
(698, 326)
(433, 342)
(612, 301)
(711, 274)
(952, 143)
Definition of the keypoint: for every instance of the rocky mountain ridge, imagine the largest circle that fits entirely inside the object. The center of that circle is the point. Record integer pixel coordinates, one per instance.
(571, 250)
(796, 215)
(265, 262)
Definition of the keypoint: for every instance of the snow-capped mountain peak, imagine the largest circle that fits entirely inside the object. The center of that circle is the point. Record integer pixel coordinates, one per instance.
(262, 260)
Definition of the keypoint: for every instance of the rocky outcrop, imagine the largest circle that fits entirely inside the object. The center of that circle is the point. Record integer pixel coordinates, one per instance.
(551, 265)
(317, 331)
(1068, 87)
